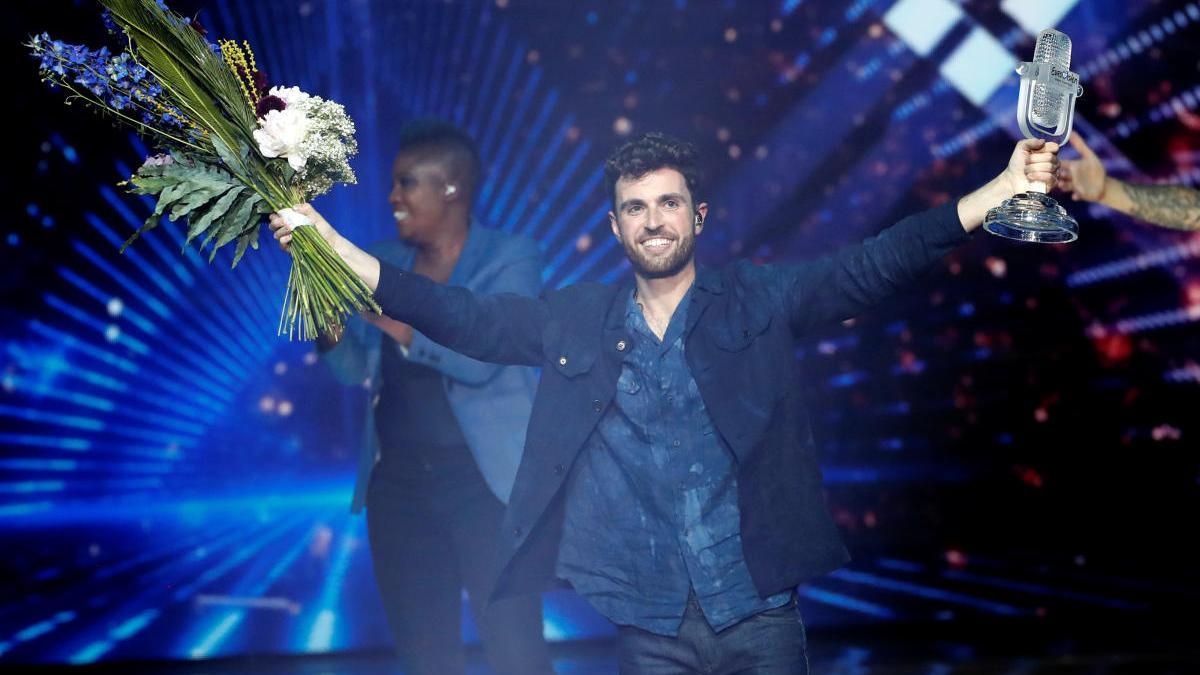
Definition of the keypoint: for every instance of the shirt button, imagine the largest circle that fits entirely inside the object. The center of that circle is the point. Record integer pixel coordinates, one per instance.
(621, 345)
(562, 360)
(517, 531)
(558, 469)
(675, 442)
(596, 405)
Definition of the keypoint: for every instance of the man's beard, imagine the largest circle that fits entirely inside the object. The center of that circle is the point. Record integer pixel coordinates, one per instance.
(661, 267)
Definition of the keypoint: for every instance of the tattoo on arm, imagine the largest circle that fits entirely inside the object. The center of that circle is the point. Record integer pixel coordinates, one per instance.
(1168, 205)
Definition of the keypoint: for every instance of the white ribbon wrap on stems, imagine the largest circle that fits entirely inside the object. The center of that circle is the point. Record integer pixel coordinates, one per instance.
(295, 219)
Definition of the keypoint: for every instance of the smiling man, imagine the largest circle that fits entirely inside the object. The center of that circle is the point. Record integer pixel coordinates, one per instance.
(669, 472)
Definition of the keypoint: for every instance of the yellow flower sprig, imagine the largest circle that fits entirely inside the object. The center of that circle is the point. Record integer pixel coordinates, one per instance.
(249, 55)
(240, 59)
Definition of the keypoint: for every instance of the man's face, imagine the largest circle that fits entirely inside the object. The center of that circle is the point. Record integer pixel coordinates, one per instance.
(418, 196)
(655, 222)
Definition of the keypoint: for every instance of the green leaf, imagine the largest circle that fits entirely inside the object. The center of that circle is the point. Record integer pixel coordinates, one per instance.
(237, 161)
(166, 198)
(170, 196)
(196, 198)
(204, 182)
(248, 239)
(213, 213)
(237, 221)
(246, 215)
(151, 179)
(228, 234)
(151, 185)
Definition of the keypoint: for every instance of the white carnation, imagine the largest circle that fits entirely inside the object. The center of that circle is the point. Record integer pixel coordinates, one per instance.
(282, 133)
(292, 96)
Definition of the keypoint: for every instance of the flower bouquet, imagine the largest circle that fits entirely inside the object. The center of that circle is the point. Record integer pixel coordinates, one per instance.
(232, 149)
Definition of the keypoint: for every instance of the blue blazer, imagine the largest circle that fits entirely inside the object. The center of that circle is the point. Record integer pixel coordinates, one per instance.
(740, 348)
(491, 402)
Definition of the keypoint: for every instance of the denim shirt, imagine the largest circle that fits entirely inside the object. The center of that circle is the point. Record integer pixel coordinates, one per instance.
(651, 507)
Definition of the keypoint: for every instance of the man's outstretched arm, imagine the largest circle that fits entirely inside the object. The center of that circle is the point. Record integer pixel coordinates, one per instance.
(503, 328)
(1171, 206)
(846, 282)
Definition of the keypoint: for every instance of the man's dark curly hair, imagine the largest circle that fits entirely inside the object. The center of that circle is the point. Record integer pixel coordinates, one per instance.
(650, 152)
(448, 143)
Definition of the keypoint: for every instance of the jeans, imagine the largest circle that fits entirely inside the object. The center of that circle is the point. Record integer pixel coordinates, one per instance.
(769, 643)
(434, 529)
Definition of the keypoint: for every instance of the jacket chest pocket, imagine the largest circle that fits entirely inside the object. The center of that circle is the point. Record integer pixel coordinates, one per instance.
(739, 331)
(566, 353)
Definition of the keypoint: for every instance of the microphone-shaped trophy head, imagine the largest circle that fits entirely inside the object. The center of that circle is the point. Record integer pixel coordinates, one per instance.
(1048, 89)
(1053, 48)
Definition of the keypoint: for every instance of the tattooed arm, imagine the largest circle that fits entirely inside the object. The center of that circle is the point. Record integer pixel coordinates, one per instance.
(1170, 206)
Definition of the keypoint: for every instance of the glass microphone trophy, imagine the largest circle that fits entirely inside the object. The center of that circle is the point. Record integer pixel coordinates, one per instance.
(1045, 110)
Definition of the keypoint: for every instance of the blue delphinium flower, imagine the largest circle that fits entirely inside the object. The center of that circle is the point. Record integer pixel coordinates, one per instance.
(119, 83)
(117, 70)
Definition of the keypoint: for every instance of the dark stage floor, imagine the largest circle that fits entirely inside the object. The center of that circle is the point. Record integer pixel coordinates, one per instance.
(980, 647)
(876, 616)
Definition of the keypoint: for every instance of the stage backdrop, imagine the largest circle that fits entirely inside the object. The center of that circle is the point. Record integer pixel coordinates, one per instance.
(1015, 437)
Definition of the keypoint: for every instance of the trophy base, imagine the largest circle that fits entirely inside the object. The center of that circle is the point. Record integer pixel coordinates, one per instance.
(1033, 217)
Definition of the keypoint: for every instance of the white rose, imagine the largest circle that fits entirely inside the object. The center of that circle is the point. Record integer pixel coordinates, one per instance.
(280, 134)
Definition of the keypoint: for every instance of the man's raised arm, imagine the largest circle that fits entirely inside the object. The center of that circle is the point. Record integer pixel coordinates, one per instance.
(503, 328)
